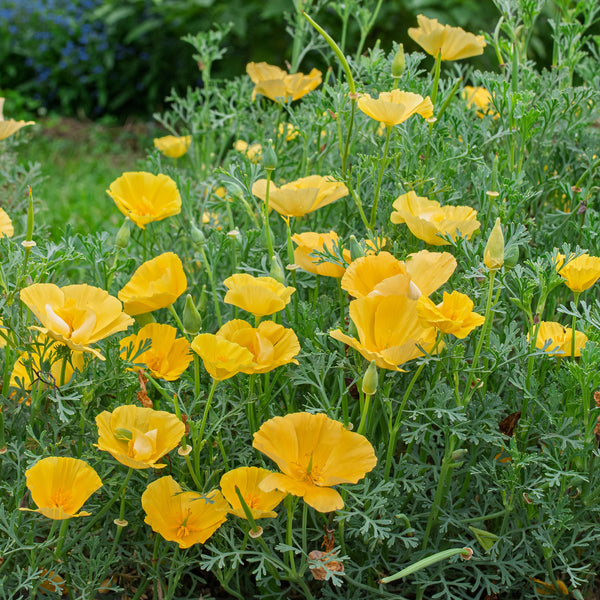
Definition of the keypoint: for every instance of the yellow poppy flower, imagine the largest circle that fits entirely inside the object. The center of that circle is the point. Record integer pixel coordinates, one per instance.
(453, 315)
(10, 127)
(138, 437)
(247, 480)
(454, 43)
(173, 146)
(222, 359)
(426, 219)
(480, 99)
(302, 196)
(168, 356)
(155, 284)
(3, 332)
(288, 130)
(558, 339)
(76, 315)
(393, 108)
(579, 273)
(144, 197)
(310, 242)
(260, 296)
(271, 344)
(6, 226)
(548, 589)
(314, 453)
(60, 486)
(389, 330)
(279, 86)
(183, 517)
(252, 151)
(52, 582)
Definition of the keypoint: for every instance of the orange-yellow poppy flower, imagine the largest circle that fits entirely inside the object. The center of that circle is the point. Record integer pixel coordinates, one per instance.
(10, 126)
(393, 108)
(480, 99)
(183, 517)
(60, 486)
(453, 315)
(6, 226)
(247, 480)
(302, 196)
(310, 242)
(173, 146)
(279, 86)
(222, 359)
(253, 152)
(166, 358)
(76, 315)
(426, 219)
(260, 296)
(144, 197)
(579, 273)
(453, 43)
(558, 340)
(155, 284)
(314, 453)
(138, 437)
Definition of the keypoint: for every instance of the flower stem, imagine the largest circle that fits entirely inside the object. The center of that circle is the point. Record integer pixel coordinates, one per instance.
(266, 216)
(436, 77)
(573, 324)
(211, 279)
(206, 410)
(62, 534)
(427, 562)
(382, 165)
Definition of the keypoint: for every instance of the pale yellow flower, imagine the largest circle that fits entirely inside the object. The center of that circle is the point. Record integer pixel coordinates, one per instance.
(6, 226)
(279, 86)
(173, 146)
(10, 126)
(393, 108)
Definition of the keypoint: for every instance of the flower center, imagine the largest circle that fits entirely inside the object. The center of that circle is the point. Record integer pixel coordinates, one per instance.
(60, 498)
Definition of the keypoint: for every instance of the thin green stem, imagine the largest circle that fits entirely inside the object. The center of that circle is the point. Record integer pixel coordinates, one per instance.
(382, 165)
(213, 287)
(266, 216)
(207, 409)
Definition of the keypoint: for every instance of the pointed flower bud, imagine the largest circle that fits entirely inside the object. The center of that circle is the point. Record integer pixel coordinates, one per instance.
(277, 271)
(202, 303)
(197, 236)
(493, 255)
(192, 321)
(122, 238)
(269, 158)
(399, 63)
(355, 249)
(370, 380)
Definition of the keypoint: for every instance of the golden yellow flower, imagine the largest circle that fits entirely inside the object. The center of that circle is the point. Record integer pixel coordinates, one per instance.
(426, 219)
(144, 197)
(76, 315)
(579, 273)
(183, 517)
(60, 486)
(548, 589)
(389, 330)
(279, 86)
(310, 242)
(314, 453)
(247, 480)
(6, 226)
(260, 296)
(10, 127)
(252, 151)
(393, 108)
(3, 333)
(454, 43)
(157, 283)
(302, 196)
(289, 131)
(173, 146)
(558, 340)
(453, 315)
(480, 99)
(222, 359)
(168, 356)
(138, 437)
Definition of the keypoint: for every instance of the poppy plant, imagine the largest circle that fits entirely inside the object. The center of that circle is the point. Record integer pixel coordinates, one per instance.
(260, 296)
(558, 340)
(280, 86)
(480, 99)
(579, 273)
(314, 453)
(308, 243)
(395, 107)
(173, 146)
(6, 226)
(453, 315)
(10, 126)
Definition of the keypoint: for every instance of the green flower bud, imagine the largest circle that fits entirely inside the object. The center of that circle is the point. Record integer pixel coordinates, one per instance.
(493, 255)
(398, 64)
(269, 157)
(202, 303)
(511, 256)
(123, 235)
(192, 321)
(197, 236)
(356, 250)
(370, 380)
(277, 271)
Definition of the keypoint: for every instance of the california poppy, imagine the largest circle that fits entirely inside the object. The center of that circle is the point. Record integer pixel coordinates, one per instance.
(6, 226)
(260, 296)
(453, 315)
(280, 86)
(10, 126)
(173, 146)
(579, 273)
(395, 107)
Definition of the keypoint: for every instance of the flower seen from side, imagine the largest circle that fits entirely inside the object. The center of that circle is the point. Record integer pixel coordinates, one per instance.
(260, 296)
(395, 107)
(579, 273)
(453, 315)
(310, 242)
(222, 359)
(173, 146)
(314, 453)
(558, 340)
(6, 226)
(480, 99)
(280, 86)
(9, 127)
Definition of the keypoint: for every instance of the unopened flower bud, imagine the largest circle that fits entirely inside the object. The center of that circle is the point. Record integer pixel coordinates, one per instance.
(203, 300)
(370, 380)
(277, 271)
(511, 256)
(197, 236)
(399, 63)
(493, 255)
(192, 321)
(459, 454)
(269, 157)
(356, 250)
(123, 235)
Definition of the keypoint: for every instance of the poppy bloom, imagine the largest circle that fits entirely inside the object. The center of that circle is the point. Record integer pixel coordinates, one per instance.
(579, 273)
(453, 315)
(247, 480)
(253, 152)
(183, 517)
(314, 453)
(393, 108)
(478, 98)
(138, 437)
(144, 197)
(10, 126)
(426, 219)
(168, 356)
(302, 196)
(260, 296)
(155, 284)
(453, 43)
(309, 242)
(76, 315)
(6, 226)
(222, 359)
(558, 340)
(60, 486)
(279, 86)
(173, 146)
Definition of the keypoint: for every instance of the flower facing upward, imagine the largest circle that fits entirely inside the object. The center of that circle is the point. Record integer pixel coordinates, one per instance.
(183, 517)
(279, 86)
(453, 43)
(393, 108)
(144, 197)
(579, 273)
(76, 315)
(426, 219)
(260, 296)
(558, 340)
(60, 486)
(247, 480)
(138, 437)
(314, 453)
(453, 315)
(173, 146)
(302, 196)
(310, 242)
(10, 127)
(156, 284)
(222, 359)
(6, 226)
(168, 356)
